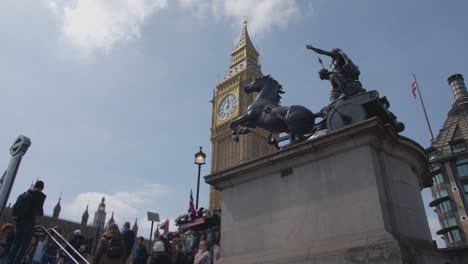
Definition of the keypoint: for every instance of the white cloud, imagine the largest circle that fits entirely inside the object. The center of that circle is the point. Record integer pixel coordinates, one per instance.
(99, 25)
(127, 205)
(262, 15)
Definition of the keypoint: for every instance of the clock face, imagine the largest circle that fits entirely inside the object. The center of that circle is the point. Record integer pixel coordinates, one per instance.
(227, 106)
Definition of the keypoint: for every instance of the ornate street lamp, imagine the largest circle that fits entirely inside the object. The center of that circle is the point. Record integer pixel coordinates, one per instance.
(199, 160)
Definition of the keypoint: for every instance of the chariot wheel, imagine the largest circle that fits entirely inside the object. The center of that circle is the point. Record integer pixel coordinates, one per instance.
(345, 114)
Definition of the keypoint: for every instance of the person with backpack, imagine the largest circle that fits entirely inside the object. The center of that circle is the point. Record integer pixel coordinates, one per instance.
(111, 248)
(26, 208)
(129, 238)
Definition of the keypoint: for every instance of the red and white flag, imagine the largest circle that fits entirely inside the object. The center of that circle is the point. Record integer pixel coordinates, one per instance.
(191, 209)
(164, 225)
(414, 86)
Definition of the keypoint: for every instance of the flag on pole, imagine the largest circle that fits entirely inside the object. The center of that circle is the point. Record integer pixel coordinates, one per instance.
(191, 209)
(165, 226)
(414, 86)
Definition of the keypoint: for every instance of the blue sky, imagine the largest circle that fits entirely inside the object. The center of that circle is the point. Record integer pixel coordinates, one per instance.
(115, 94)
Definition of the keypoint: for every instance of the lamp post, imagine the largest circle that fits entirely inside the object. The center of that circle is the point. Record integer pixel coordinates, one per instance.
(199, 160)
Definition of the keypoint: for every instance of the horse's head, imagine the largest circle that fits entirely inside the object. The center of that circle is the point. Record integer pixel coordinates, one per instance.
(270, 87)
(256, 85)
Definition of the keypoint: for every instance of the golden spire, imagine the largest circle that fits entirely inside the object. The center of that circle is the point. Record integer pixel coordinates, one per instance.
(244, 41)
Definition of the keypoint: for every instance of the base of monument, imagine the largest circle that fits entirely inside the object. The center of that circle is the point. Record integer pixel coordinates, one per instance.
(348, 197)
(367, 249)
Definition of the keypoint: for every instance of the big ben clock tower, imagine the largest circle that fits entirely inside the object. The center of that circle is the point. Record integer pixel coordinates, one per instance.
(230, 102)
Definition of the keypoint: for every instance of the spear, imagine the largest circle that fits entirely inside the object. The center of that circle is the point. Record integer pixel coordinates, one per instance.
(321, 62)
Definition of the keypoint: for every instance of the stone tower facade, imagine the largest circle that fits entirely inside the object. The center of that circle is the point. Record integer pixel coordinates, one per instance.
(100, 216)
(229, 102)
(448, 155)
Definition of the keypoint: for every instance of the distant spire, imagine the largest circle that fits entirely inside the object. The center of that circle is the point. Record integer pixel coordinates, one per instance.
(135, 227)
(111, 220)
(58, 207)
(56, 213)
(85, 217)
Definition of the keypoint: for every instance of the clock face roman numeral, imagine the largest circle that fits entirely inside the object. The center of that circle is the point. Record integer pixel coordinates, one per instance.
(227, 106)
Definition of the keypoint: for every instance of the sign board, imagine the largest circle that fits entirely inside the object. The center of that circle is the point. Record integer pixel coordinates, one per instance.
(153, 217)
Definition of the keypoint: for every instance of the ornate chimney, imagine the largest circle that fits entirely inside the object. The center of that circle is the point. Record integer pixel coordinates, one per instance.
(457, 84)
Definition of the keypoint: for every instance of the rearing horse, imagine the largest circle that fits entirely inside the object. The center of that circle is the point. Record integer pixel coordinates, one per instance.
(267, 113)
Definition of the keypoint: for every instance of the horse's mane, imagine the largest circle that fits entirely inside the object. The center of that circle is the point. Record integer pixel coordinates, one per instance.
(279, 87)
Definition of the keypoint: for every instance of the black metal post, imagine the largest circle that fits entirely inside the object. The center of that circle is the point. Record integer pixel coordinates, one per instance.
(198, 186)
(151, 237)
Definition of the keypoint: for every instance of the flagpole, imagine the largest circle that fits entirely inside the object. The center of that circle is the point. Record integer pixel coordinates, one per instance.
(423, 107)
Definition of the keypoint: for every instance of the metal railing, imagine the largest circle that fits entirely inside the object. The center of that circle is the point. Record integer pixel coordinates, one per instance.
(55, 237)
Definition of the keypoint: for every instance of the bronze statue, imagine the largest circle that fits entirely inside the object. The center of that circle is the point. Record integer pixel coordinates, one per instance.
(267, 113)
(343, 74)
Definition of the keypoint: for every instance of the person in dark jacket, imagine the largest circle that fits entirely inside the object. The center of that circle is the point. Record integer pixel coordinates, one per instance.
(25, 223)
(78, 242)
(128, 237)
(159, 255)
(141, 254)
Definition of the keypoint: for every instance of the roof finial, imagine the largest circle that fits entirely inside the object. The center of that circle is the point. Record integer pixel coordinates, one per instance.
(244, 19)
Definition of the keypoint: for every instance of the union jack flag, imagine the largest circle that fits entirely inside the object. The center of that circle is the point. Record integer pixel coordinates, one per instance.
(191, 209)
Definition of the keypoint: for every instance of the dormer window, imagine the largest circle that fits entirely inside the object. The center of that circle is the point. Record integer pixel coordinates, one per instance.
(458, 146)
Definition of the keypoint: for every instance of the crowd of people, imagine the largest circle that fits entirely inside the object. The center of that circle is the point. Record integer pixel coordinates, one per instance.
(114, 246)
(178, 250)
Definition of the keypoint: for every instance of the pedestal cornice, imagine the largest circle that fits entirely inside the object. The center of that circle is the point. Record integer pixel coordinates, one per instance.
(371, 132)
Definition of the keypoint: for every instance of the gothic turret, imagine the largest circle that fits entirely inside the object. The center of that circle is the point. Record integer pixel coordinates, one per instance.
(100, 215)
(244, 56)
(111, 220)
(135, 227)
(84, 218)
(56, 213)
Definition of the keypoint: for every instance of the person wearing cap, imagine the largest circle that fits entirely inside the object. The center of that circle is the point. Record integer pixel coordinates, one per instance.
(35, 198)
(78, 242)
(159, 255)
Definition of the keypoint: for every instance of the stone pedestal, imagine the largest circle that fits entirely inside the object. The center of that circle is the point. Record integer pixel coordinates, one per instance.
(352, 196)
